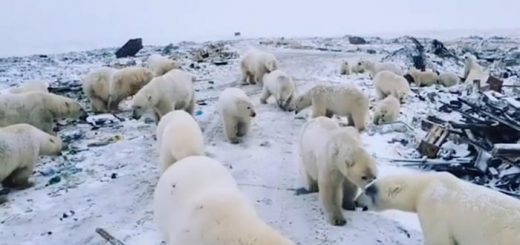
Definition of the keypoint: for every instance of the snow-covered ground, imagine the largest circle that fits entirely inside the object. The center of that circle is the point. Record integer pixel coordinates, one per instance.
(111, 186)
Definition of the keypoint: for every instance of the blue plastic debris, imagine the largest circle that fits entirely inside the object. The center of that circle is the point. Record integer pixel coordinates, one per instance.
(198, 113)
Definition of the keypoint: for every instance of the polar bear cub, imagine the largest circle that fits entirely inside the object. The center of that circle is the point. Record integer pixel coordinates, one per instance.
(255, 63)
(160, 65)
(386, 110)
(451, 211)
(342, 100)
(330, 156)
(198, 202)
(236, 112)
(388, 83)
(38, 109)
(171, 91)
(423, 78)
(20, 145)
(375, 67)
(281, 86)
(31, 86)
(178, 136)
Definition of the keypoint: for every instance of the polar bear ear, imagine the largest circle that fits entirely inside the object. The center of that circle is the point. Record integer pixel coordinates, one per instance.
(394, 190)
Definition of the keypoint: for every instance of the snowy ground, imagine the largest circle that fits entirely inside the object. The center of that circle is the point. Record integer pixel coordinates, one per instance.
(111, 186)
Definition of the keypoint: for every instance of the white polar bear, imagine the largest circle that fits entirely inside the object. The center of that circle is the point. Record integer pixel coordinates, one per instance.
(197, 202)
(127, 82)
(178, 136)
(31, 86)
(281, 87)
(255, 63)
(423, 78)
(171, 91)
(38, 109)
(236, 112)
(20, 146)
(386, 110)
(345, 68)
(473, 71)
(160, 65)
(373, 68)
(96, 85)
(342, 100)
(451, 211)
(331, 155)
(388, 83)
(448, 79)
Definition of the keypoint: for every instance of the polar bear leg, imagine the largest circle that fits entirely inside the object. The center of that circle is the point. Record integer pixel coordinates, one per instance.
(358, 118)
(349, 194)
(330, 195)
(265, 95)
(230, 129)
(242, 128)
(19, 179)
(98, 105)
(435, 233)
(190, 109)
(318, 109)
(312, 184)
(165, 160)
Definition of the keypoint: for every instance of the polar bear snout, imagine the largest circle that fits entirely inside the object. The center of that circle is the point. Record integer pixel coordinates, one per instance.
(253, 114)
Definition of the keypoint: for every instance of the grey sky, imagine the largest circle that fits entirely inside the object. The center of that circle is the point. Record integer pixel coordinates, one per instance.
(58, 25)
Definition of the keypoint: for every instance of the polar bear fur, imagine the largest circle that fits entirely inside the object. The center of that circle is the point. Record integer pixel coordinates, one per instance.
(255, 63)
(236, 112)
(171, 91)
(38, 109)
(127, 82)
(178, 136)
(423, 78)
(31, 86)
(160, 65)
(330, 156)
(342, 100)
(373, 68)
(281, 86)
(388, 83)
(198, 202)
(345, 68)
(473, 71)
(96, 85)
(451, 211)
(20, 145)
(448, 79)
(386, 110)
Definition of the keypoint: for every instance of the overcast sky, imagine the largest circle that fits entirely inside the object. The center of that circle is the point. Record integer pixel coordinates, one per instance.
(40, 26)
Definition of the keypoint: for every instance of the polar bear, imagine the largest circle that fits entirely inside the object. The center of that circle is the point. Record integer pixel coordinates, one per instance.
(344, 68)
(96, 85)
(281, 87)
(422, 78)
(451, 211)
(31, 86)
(171, 91)
(38, 109)
(388, 83)
(448, 79)
(375, 67)
(178, 136)
(331, 155)
(160, 65)
(20, 145)
(236, 112)
(198, 202)
(127, 82)
(386, 110)
(473, 71)
(342, 100)
(255, 63)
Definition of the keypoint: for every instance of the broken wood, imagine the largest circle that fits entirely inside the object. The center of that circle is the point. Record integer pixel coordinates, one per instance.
(506, 150)
(431, 144)
(109, 238)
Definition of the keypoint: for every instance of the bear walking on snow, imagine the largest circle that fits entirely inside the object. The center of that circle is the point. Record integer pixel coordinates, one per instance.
(38, 109)
(171, 91)
(236, 112)
(31, 86)
(451, 211)
(178, 136)
(422, 78)
(388, 83)
(198, 202)
(160, 65)
(386, 110)
(281, 87)
(333, 157)
(20, 146)
(254, 64)
(342, 100)
(374, 68)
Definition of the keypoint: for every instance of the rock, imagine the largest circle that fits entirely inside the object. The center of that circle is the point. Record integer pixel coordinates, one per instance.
(357, 40)
(130, 48)
(371, 51)
(168, 49)
(512, 59)
(113, 176)
(440, 50)
(237, 34)
(54, 180)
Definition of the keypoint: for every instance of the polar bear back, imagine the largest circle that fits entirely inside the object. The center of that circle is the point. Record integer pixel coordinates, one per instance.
(229, 100)
(160, 64)
(174, 87)
(342, 100)
(448, 79)
(31, 86)
(387, 83)
(279, 84)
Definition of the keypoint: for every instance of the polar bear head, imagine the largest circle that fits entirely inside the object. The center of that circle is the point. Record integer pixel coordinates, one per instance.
(48, 144)
(301, 102)
(141, 102)
(61, 107)
(246, 107)
(271, 64)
